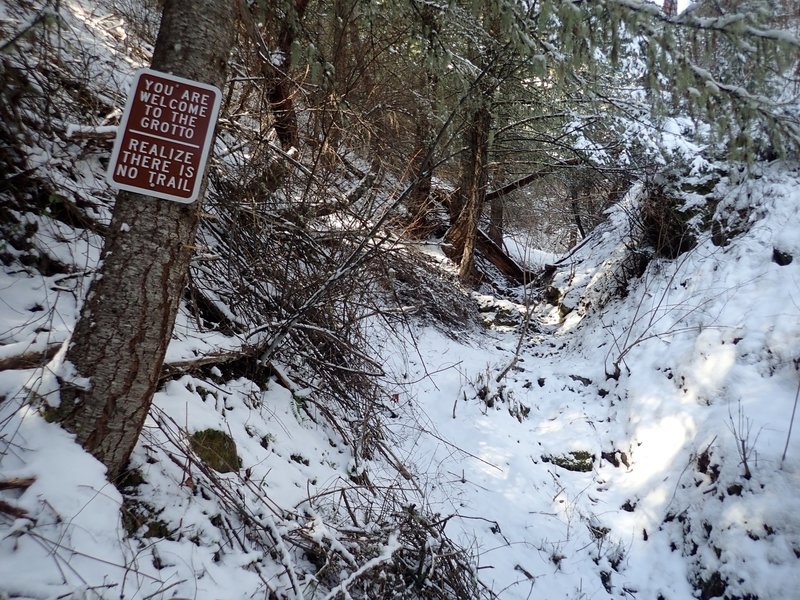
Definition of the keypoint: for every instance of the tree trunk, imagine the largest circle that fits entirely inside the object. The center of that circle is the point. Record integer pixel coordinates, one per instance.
(281, 90)
(419, 202)
(576, 212)
(470, 198)
(275, 66)
(114, 359)
(496, 221)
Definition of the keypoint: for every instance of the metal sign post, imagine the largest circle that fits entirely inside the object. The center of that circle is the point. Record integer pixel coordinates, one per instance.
(164, 137)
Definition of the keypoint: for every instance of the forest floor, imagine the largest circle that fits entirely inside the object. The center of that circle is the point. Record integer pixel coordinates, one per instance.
(674, 478)
(630, 438)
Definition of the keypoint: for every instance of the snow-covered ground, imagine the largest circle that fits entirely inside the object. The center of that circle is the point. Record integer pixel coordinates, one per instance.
(708, 382)
(659, 505)
(635, 447)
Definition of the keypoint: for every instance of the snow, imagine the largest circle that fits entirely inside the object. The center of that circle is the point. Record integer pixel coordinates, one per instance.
(705, 338)
(709, 346)
(708, 378)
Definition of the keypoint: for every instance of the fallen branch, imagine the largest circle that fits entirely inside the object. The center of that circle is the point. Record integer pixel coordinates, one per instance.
(36, 358)
(14, 511)
(179, 367)
(29, 360)
(529, 179)
(175, 368)
(17, 483)
(92, 132)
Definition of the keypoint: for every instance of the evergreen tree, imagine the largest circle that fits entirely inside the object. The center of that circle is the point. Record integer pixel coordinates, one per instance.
(113, 363)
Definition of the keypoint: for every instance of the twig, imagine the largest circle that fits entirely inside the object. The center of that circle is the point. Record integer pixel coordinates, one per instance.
(392, 545)
(791, 422)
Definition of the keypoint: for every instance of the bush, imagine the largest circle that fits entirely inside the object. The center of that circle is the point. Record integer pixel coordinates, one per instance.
(666, 225)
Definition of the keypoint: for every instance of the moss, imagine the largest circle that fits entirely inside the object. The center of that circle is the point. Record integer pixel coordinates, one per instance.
(217, 450)
(139, 518)
(579, 461)
(50, 413)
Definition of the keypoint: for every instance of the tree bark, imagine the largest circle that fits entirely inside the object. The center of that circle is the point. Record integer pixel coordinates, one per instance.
(472, 193)
(419, 202)
(282, 87)
(113, 363)
(576, 212)
(496, 226)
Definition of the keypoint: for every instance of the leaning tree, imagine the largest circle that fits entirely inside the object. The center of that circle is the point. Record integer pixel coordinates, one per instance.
(114, 358)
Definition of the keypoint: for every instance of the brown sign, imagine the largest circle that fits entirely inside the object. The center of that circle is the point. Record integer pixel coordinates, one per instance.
(164, 138)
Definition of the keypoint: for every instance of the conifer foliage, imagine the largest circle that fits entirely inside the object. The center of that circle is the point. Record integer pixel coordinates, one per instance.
(485, 94)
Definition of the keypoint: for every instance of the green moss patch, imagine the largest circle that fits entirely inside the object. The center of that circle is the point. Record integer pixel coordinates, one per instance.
(579, 461)
(217, 450)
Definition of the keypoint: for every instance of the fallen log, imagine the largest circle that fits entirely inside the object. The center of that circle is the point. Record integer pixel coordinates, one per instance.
(179, 367)
(500, 259)
(529, 179)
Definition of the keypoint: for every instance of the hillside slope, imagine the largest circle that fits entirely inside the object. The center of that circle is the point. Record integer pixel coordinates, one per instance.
(672, 478)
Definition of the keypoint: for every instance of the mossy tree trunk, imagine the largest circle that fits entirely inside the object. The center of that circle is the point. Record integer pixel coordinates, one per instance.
(114, 359)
